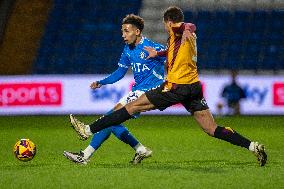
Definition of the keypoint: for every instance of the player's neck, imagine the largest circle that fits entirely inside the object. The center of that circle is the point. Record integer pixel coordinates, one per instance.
(139, 38)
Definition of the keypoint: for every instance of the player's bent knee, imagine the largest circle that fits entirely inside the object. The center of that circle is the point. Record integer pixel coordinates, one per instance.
(206, 121)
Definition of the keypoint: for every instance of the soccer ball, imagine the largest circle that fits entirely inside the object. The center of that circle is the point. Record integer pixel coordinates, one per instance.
(25, 150)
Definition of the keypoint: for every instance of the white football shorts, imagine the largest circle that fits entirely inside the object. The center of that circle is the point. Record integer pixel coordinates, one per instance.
(131, 96)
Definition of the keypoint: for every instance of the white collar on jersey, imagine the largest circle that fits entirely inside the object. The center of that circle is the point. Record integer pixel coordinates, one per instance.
(142, 40)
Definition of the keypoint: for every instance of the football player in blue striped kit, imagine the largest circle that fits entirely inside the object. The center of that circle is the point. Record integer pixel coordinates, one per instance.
(148, 74)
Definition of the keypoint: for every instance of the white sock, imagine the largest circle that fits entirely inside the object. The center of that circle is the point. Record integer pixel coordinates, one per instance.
(88, 152)
(252, 146)
(139, 148)
(88, 130)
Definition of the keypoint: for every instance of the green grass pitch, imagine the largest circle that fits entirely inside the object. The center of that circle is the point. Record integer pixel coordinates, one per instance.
(183, 156)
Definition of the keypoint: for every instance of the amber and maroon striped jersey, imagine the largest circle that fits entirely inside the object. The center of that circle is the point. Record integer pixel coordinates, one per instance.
(181, 58)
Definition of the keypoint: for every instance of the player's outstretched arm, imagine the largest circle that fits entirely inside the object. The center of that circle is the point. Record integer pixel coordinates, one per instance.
(114, 77)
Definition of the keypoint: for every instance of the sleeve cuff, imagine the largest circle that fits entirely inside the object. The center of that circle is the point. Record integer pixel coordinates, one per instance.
(162, 53)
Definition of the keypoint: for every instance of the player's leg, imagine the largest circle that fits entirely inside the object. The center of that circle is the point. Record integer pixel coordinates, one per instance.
(150, 100)
(196, 104)
(125, 136)
(120, 132)
(83, 156)
(153, 99)
(117, 117)
(207, 123)
(198, 107)
(98, 138)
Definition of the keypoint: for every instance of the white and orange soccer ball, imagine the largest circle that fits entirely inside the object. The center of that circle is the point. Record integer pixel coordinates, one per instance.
(25, 150)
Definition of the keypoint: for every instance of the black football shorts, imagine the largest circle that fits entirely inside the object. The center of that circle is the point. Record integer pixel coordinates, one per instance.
(189, 95)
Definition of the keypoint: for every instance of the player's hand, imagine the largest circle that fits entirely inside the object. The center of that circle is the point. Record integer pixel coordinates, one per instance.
(151, 51)
(185, 36)
(95, 85)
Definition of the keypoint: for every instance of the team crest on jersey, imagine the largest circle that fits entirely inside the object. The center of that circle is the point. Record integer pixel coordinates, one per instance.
(142, 55)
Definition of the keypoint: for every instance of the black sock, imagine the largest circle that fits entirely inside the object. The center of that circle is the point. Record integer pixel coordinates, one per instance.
(115, 118)
(229, 135)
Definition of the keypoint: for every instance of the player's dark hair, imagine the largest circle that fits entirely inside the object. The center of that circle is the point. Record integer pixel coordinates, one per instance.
(173, 14)
(135, 20)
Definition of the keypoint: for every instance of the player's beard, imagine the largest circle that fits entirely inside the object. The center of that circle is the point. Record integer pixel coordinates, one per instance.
(132, 45)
